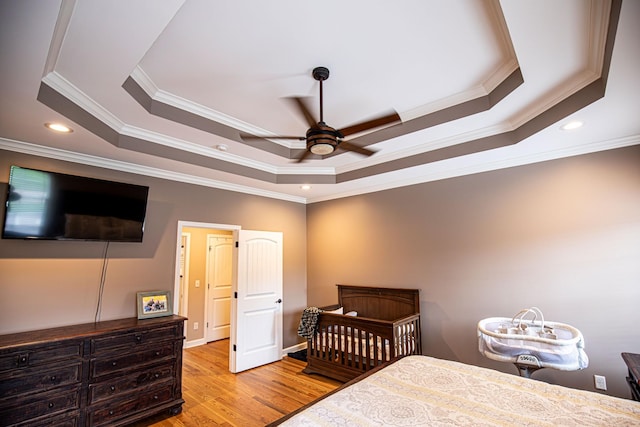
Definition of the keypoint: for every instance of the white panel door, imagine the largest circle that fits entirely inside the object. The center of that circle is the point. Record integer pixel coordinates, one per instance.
(219, 282)
(256, 333)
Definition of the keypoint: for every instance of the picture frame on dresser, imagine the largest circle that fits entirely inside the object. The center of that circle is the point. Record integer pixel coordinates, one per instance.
(154, 304)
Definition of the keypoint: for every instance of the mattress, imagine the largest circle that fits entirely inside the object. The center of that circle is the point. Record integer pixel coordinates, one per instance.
(425, 391)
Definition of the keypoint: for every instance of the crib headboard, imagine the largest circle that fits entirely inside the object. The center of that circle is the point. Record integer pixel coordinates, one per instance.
(379, 303)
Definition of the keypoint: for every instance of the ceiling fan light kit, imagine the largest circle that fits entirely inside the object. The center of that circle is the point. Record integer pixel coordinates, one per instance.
(321, 138)
(321, 148)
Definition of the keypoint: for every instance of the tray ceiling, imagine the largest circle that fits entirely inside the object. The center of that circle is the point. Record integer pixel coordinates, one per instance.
(166, 88)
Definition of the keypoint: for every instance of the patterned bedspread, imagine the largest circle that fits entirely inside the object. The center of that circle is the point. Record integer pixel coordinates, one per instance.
(424, 391)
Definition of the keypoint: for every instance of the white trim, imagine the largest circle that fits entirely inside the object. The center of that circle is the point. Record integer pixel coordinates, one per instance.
(59, 33)
(184, 282)
(176, 286)
(85, 159)
(154, 92)
(195, 343)
(54, 153)
(294, 348)
(208, 225)
(452, 172)
(74, 94)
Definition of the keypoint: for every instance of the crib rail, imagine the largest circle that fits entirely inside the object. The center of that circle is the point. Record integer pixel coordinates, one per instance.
(347, 346)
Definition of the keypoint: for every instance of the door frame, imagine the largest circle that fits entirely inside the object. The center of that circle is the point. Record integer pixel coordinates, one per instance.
(176, 285)
(182, 288)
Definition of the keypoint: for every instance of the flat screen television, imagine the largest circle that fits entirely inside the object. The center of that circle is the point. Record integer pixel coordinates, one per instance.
(55, 206)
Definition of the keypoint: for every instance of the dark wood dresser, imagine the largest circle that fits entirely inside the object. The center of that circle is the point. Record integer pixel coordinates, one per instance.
(97, 374)
(633, 363)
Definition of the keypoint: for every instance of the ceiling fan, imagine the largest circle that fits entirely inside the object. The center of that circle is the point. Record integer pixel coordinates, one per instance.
(321, 138)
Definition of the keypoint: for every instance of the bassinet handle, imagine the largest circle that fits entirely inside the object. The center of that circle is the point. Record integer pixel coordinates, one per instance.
(522, 313)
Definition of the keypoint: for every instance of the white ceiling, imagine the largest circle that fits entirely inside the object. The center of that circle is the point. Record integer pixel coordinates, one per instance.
(153, 87)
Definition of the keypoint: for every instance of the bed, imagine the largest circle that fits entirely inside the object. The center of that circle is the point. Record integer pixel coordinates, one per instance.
(378, 325)
(424, 391)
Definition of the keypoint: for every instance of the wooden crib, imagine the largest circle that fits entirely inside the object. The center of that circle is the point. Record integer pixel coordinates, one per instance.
(386, 328)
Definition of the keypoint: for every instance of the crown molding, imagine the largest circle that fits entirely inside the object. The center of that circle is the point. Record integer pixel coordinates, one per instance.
(442, 173)
(479, 167)
(155, 93)
(67, 89)
(85, 159)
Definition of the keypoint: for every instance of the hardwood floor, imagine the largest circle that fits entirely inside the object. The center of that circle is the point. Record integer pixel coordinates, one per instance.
(215, 397)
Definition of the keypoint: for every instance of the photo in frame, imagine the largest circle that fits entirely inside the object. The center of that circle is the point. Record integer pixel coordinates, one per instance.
(154, 304)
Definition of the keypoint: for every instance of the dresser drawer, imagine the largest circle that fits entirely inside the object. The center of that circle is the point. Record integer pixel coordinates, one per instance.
(68, 419)
(137, 338)
(38, 356)
(49, 403)
(114, 410)
(37, 380)
(121, 361)
(110, 373)
(152, 375)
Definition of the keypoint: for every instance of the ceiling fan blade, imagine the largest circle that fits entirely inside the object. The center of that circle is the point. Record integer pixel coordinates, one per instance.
(355, 148)
(370, 124)
(304, 155)
(304, 109)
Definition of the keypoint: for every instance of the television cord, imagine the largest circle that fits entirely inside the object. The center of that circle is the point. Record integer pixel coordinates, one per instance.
(105, 262)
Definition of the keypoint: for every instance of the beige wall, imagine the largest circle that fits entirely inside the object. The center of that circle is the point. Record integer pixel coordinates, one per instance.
(56, 283)
(561, 235)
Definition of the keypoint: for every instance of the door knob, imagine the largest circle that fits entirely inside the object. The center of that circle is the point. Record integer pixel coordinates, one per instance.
(279, 300)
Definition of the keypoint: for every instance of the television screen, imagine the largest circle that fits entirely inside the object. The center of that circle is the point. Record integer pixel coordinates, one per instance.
(55, 206)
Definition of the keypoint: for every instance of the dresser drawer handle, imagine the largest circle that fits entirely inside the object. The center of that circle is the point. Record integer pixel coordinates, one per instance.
(50, 405)
(53, 378)
(112, 388)
(23, 360)
(157, 375)
(158, 353)
(114, 363)
(111, 412)
(139, 338)
(155, 397)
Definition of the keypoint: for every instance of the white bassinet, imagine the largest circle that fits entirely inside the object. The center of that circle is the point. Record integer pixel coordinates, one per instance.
(532, 344)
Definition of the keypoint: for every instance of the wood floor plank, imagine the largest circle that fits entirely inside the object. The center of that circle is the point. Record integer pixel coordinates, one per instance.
(216, 397)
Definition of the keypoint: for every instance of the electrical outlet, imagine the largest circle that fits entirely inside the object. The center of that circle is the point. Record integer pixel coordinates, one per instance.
(600, 381)
(195, 326)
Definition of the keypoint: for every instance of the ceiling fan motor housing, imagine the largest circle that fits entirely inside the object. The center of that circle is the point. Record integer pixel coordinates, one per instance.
(322, 139)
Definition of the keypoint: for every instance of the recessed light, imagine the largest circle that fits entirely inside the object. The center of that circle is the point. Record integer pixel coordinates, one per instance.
(58, 127)
(572, 125)
(222, 147)
(305, 187)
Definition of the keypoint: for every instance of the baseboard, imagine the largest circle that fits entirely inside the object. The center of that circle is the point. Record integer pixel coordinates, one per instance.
(293, 349)
(195, 343)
